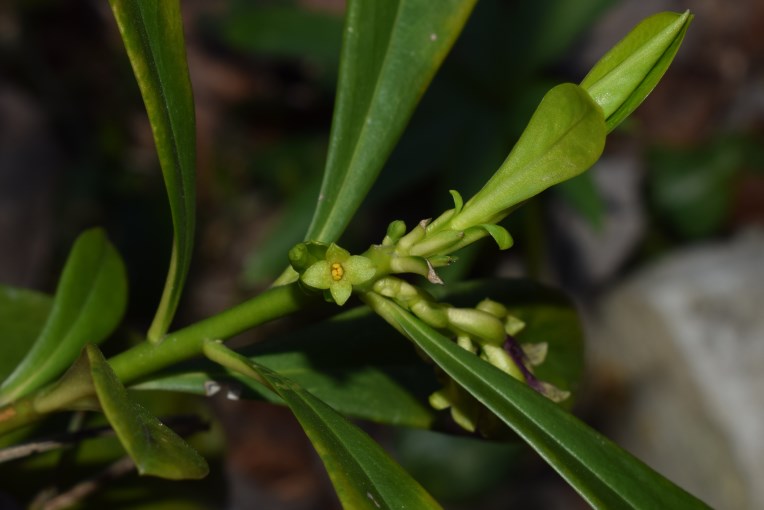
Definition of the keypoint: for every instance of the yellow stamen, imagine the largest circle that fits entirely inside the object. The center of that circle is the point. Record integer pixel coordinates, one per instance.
(337, 271)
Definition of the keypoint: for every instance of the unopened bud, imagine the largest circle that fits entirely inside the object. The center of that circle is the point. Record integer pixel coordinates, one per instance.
(413, 237)
(431, 313)
(438, 243)
(494, 308)
(477, 323)
(395, 231)
(304, 255)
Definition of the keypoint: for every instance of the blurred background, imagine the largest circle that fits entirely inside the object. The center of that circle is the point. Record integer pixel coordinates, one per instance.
(660, 244)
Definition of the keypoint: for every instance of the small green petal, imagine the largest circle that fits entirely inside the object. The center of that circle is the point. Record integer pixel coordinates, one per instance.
(341, 291)
(359, 269)
(336, 254)
(318, 275)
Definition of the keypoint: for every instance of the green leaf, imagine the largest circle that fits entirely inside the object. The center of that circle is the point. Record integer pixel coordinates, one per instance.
(89, 303)
(627, 73)
(22, 315)
(458, 469)
(284, 30)
(603, 473)
(363, 475)
(390, 52)
(156, 449)
(564, 138)
(558, 26)
(152, 31)
(354, 362)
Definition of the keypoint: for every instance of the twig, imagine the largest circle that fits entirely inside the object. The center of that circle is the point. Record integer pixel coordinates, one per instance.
(184, 425)
(120, 468)
(54, 443)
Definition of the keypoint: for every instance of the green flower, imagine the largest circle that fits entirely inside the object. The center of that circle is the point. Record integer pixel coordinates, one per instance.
(338, 272)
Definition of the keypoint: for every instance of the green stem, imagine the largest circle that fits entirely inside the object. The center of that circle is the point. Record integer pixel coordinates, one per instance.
(147, 358)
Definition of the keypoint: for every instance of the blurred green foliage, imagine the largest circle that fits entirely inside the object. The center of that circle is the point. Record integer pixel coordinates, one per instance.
(692, 189)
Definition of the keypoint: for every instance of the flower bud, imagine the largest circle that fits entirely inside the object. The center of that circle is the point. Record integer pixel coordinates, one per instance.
(413, 237)
(397, 289)
(499, 358)
(304, 255)
(493, 307)
(466, 343)
(395, 231)
(415, 265)
(477, 323)
(437, 244)
(431, 313)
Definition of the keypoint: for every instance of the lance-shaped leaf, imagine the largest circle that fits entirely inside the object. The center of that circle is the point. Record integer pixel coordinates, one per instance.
(603, 473)
(353, 361)
(549, 316)
(22, 316)
(364, 476)
(627, 73)
(155, 448)
(390, 52)
(564, 137)
(153, 35)
(89, 303)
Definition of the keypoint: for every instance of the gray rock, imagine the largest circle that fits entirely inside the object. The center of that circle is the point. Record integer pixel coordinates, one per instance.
(686, 338)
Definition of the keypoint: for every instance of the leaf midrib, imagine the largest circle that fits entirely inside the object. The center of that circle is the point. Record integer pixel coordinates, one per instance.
(364, 127)
(175, 150)
(530, 419)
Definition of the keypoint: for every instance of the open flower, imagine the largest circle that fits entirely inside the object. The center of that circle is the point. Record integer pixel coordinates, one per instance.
(338, 272)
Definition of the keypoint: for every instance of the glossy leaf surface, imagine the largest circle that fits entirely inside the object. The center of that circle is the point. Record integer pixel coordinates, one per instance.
(603, 473)
(390, 52)
(22, 316)
(549, 317)
(152, 31)
(564, 137)
(627, 73)
(362, 368)
(155, 448)
(89, 303)
(364, 476)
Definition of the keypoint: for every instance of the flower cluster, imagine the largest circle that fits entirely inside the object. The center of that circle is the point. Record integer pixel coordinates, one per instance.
(488, 330)
(564, 137)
